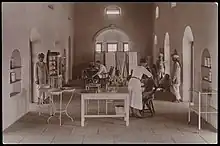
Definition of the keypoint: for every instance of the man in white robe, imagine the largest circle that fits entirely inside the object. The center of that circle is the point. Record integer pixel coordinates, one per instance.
(134, 87)
(176, 78)
(41, 75)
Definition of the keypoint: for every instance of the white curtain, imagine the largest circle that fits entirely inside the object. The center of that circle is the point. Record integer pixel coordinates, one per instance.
(132, 57)
(121, 62)
(110, 60)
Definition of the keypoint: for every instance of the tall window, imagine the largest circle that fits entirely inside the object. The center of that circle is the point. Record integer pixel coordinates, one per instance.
(98, 47)
(113, 10)
(155, 40)
(157, 12)
(112, 47)
(125, 47)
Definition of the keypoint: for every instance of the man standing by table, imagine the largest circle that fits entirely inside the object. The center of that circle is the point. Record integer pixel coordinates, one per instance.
(41, 75)
(134, 87)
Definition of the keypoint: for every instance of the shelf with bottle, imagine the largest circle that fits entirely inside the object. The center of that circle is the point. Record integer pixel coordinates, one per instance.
(207, 62)
(206, 66)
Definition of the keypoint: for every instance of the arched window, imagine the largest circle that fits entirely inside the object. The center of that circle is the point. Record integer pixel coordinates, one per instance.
(155, 40)
(113, 10)
(173, 4)
(157, 12)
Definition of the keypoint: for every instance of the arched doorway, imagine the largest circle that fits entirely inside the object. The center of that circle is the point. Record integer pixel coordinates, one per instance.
(34, 45)
(188, 72)
(110, 43)
(167, 53)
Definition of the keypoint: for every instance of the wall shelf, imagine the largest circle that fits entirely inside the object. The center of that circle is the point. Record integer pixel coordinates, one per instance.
(14, 93)
(207, 80)
(17, 80)
(206, 66)
(15, 73)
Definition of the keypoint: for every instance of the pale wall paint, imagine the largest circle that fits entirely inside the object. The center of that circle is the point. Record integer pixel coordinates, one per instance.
(18, 20)
(135, 21)
(203, 20)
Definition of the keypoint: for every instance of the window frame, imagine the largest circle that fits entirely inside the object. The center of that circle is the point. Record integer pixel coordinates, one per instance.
(124, 46)
(113, 43)
(101, 47)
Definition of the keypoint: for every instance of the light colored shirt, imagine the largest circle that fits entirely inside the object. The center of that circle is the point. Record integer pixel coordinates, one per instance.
(138, 72)
(176, 76)
(102, 70)
(41, 72)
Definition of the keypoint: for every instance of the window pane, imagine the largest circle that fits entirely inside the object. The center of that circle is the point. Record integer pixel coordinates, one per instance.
(126, 47)
(98, 47)
(112, 47)
(113, 12)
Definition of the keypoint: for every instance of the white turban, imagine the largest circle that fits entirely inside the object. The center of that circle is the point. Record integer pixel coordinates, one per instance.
(161, 54)
(175, 56)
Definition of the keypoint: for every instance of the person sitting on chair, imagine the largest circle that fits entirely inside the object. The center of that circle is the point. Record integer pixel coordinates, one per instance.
(117, 79)
(165, 83)
(102, 72)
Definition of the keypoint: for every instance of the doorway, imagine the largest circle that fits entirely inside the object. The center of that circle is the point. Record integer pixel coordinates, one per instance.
(188, 63)
(167, 53)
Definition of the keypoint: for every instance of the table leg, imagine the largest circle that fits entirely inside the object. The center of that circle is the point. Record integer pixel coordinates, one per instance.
(106, 107)
(98, 107)
(127, 111)
(86, 106)
(61, 95)
(82, 112)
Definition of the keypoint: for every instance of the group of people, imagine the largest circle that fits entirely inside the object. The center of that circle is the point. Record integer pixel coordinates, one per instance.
(157, 73)
(134, 84)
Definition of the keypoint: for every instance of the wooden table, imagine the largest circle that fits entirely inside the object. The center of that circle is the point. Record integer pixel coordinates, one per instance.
(122, 94)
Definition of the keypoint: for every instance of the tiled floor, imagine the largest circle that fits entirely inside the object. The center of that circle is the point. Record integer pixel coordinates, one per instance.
(169, 125)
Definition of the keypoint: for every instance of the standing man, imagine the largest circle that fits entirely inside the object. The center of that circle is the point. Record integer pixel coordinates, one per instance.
(41, 74)
(134, 87)
(176, 80)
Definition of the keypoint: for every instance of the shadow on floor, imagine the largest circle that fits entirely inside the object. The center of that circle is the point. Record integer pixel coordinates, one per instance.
(164, 96)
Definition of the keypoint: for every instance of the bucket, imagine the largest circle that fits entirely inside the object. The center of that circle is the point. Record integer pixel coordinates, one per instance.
(119, 109)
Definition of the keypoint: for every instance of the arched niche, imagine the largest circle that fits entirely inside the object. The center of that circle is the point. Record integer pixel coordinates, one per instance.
(15, 73)
(206, 74)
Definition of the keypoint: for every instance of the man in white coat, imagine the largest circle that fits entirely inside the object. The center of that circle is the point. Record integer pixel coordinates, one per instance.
(134, 87)
(176, 80)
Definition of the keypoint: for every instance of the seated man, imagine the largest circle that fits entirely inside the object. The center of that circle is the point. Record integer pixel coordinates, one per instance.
(165, 83)
(117, 79)
(102, 72)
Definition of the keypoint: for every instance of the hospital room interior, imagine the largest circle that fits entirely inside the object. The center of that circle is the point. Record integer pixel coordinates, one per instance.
(109, 72)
